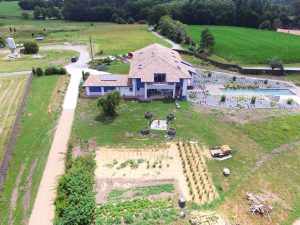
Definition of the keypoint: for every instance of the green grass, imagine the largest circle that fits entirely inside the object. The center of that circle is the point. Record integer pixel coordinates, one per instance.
(12, 9)
(26, 62)
(191, 59)
(31, 149)
(251, 46)
(118, 67)
(141, 192)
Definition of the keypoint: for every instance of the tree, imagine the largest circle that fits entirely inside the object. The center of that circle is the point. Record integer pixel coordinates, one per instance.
(110, 102)
(39, 72)
(207, 39)
(31, 48)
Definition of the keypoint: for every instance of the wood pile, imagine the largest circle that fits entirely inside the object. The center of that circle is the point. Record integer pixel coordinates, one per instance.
(258, 205)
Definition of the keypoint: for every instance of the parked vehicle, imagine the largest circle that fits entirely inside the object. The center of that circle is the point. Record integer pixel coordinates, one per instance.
(74, 59)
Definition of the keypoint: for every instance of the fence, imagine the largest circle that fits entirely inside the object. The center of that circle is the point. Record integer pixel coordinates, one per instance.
(12, 138)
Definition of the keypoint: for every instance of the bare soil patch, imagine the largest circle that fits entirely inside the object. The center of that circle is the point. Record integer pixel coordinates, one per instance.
(120, 168)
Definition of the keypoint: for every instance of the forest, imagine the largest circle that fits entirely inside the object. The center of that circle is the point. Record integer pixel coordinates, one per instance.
(245, 13)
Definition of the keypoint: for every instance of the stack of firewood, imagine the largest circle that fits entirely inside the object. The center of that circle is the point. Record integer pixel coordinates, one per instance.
(258, 205)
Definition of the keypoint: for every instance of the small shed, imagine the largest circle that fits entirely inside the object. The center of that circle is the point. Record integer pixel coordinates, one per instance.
(181, 202)
(220, 152)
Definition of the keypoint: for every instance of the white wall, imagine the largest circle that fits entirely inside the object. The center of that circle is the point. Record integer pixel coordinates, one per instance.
(126, 91)
(184, 88)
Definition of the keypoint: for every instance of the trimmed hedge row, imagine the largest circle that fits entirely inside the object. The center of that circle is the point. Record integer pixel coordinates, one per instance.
(75, 202)
(51, 70)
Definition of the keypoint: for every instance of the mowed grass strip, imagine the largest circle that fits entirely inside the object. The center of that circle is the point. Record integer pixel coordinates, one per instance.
(251, 46)
(26, 62)
(11, 93)
(31, 150)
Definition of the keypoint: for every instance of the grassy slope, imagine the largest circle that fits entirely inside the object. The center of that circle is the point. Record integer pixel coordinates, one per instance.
(26, 62)
(11, 93)
(251, 46)
(32, 147)
(11, 9)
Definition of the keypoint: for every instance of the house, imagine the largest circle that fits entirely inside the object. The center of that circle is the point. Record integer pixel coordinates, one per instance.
(155, 71)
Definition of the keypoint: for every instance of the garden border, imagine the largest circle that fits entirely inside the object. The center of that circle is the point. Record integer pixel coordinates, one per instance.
(13, 135)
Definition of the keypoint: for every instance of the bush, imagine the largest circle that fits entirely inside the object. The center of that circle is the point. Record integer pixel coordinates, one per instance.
(25, 16)
(2, 42)
(223, 98)
(290, 101)
(265, 25)
(128, 218)
(53, 70)
(253, 100)
(75, 202)
(276, 64)
(31, 48)
(143, 22)
(120, 20)
(109, 102)
(39, 71)
(130, 20)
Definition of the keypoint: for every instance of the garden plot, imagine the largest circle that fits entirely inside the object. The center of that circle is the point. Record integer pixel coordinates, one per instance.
(128, 168)
(11, 92)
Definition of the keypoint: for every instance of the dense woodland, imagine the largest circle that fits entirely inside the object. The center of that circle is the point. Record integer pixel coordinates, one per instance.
(247, 13)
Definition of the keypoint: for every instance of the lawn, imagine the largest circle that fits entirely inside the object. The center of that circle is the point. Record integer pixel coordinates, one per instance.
(251, 46)
(11, 93)
(26, 62)
(118, 67)
(30, 153)
(11, 9)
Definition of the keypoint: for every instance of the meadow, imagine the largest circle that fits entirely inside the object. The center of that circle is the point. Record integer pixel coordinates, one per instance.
(11, 10)
(30, 151)
(247, 46)
(26, 62)
(11, 93)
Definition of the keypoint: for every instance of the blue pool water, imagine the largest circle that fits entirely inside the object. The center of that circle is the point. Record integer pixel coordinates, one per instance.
(256, 92)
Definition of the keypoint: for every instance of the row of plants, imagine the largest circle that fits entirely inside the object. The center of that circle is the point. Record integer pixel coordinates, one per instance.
(75, 202)
(51, 70)
(238, 86)
(200, 184)
(137, 211)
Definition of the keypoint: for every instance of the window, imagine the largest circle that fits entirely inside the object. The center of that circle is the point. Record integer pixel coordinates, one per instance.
(130, 89)
(159, 77)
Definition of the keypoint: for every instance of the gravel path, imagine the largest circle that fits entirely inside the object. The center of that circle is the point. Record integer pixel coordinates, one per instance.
(44, 209)
(174, 45)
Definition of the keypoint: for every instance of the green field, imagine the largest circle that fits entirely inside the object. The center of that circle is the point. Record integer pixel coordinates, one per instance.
(30, 152)
(11, 10)
(26, 62)
(251, 46)
(11, 93)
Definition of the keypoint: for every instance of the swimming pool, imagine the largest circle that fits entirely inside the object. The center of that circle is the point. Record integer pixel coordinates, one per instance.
(256, 92)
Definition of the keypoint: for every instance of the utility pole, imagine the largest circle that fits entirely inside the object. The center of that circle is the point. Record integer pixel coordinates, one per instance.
(49, 60)
(91, 48)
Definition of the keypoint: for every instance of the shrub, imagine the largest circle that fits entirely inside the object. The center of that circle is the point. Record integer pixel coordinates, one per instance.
(39, 71)
(265, 25)
(120, 20)
(128, 218)
(223, 98)
(33, 71)
(253, 100)
(2, 42)
(25, 16)
(290, 101)
(276, 64)
(234, 78)
(143, 22)
(130, 20)
(109, 102)
(31, 48)
(85, 75)
(51, 70)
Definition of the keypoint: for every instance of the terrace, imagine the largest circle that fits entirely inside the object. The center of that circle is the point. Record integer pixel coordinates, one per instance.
(230, 91)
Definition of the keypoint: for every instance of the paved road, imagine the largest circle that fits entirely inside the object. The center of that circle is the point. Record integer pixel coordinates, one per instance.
(174, 45)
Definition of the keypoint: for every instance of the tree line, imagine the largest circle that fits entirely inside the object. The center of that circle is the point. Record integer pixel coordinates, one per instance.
(246, 13)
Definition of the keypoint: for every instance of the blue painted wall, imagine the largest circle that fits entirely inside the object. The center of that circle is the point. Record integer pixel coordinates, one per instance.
(109, 89)
(95, 89)
(180, 84)
(139, 84)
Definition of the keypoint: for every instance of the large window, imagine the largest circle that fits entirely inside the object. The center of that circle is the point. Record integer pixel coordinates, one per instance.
(159, 77)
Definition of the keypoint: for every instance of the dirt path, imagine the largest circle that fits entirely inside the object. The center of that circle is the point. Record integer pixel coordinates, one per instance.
(269, 156)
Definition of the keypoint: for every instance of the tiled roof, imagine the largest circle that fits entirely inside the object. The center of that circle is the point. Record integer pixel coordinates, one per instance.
(156, 58)
(110, 80)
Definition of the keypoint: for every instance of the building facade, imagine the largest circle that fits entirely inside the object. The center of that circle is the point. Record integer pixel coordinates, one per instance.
(155, 71)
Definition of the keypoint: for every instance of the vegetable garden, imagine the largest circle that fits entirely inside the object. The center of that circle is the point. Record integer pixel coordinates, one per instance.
(201, 187)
